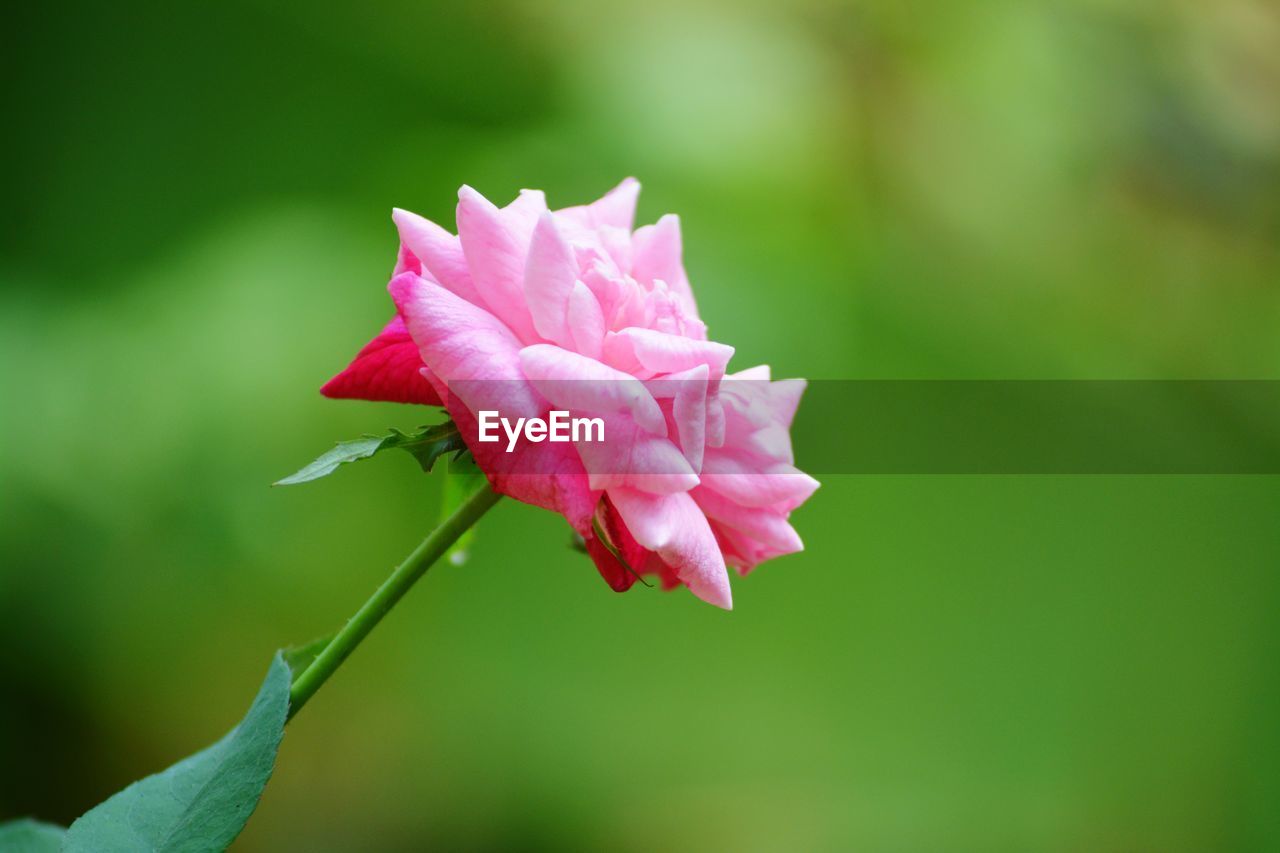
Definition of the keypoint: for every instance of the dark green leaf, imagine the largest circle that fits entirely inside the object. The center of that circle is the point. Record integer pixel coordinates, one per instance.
(30, 836)
(427, 444)
(202, 802)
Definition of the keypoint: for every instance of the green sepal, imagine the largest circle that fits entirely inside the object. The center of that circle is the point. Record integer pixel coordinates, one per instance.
(426, 444)
(302, 656)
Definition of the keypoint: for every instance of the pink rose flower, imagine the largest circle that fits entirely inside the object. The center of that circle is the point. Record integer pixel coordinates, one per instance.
(528, 310)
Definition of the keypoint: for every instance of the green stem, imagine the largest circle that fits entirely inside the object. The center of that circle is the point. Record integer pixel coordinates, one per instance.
(391, 591)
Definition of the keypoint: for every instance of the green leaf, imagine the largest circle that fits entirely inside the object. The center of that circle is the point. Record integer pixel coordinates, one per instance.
(427, 444)
(30, 836)
(202, 802)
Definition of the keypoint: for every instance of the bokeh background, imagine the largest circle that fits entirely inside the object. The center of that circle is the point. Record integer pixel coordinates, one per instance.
(196, 234)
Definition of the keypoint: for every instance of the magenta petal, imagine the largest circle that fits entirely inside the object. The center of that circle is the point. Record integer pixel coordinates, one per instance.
(387, 369)
(406, 261)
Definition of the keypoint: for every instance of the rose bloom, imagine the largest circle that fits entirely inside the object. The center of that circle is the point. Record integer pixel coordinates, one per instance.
(528, 310)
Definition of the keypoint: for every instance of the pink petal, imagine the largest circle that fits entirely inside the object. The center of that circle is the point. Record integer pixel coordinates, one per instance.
(495, 247)
(635, 350)
(635, 458)
(688, 393)
(466, 347)
(675, 528)
(617, 208)
(549, 276)
(748, 482)
(476, 365)
(656, 256)
(741, 550)
(523, 213)
(438, 250)
(715, 422)
(576, 383)
(586, 321)
(766, 526)
(386, 369)
(762, 402)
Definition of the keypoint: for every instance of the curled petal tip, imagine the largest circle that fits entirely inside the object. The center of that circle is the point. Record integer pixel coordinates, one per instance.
(469, 195)
(717, 593)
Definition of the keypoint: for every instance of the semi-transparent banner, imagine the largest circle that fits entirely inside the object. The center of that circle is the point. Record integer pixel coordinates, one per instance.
(679, 429)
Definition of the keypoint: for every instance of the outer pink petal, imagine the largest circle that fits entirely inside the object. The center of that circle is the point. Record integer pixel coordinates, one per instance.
(523, 213)
(748, 482)
(766, 526)
(495, 245)
(438, 250)
(740, 549)
(675, 528)
(386, 369)
(762, 402)
(617, 208)
(759, 372)
(469, 349)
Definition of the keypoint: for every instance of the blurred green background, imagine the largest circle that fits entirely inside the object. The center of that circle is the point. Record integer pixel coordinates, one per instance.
(196, 234)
